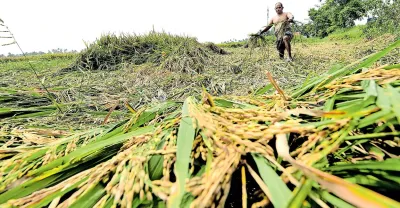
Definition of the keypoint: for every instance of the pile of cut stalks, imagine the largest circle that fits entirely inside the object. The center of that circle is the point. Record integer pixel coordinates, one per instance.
(172, 52)
(332, 142)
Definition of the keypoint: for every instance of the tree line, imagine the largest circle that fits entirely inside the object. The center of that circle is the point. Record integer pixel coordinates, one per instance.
(52, 51)
(383, 16)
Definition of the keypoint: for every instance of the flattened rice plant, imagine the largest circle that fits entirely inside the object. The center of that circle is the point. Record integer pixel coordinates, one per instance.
(331, 143)
(177, 53)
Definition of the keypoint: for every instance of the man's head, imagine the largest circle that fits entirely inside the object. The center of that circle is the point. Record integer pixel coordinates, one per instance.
(279, 8)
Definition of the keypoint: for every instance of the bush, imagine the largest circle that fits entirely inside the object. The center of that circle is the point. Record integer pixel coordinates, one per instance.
(385, 19)
(348, 33)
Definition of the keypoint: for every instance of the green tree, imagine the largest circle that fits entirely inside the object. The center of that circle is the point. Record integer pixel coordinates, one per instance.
(335, 14)
(383, 17)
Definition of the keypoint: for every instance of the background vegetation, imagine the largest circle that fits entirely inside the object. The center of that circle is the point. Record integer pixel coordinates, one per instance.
(382, 17)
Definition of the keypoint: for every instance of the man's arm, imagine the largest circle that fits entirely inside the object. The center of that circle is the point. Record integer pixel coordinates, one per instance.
(270, 24)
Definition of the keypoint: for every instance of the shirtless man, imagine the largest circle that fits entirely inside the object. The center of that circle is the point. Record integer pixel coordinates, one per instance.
(283, 32)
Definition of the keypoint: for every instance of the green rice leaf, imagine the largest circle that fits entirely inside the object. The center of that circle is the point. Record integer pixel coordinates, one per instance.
(90, 198)
(150, 114)
(383, 100)
(21, 191)
(371, 89)
(349, 69)
(93, 148)
(156, 167)
(263, 89)
(395, 66)
(330, 103)
(187, 200)
(370, 180)
(280, 193)
(388, 164)
(395, 101)
(378, 55)
(229, 104)
(31, 186)
(110, 200)
(300, 194)
(334, 200)
(373, 118)
(185, 139)
(347, 97)
(373, 135)
(47, 200)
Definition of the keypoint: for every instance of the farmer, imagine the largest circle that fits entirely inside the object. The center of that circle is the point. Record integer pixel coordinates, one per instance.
(283, 32)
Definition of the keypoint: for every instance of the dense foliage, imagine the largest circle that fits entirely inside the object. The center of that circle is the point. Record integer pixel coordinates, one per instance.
(334, 14)
(382, 16)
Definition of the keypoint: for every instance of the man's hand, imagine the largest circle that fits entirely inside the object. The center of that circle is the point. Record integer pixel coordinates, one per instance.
(290, 18)
(264, 30)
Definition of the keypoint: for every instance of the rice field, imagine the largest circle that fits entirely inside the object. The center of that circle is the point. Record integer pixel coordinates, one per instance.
(244, 129)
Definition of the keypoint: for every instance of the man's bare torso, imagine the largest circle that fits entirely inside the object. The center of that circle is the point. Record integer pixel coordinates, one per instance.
(280, 17)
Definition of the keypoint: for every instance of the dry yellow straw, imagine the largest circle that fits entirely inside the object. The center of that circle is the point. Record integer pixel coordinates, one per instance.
(280, 91)
(244, 192)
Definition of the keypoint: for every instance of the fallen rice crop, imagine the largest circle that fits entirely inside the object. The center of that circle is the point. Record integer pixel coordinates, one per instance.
(332, 142)
(176, 53)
